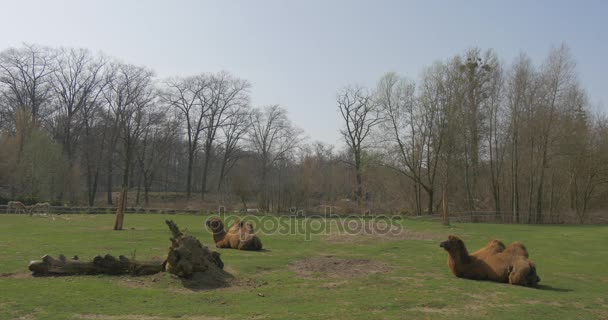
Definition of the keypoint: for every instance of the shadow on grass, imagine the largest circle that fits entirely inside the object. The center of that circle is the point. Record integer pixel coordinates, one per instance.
(550, 288)
(213, 279)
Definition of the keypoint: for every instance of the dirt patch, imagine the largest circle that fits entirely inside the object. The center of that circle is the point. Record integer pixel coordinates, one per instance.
(138, 282)
(475, 308)
(137, 317)
(201, 282)
(17, 275)
(332, 267)
(435, 310)
(333, 285)
(547, 303)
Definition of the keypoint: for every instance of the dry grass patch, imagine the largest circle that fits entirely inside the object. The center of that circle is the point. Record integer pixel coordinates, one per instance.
(138, 317)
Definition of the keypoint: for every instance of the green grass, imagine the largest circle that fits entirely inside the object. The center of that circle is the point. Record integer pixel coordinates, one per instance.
(572, 262)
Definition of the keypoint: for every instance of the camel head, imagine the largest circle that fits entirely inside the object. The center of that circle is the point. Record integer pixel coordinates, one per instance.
(453, 244)
(216, 225)
(532, 278)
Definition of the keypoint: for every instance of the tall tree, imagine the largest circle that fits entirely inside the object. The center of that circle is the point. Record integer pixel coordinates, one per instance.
(232, 135)
(273, 137)
(192, 98)
(228, 94)
(129, 97)
(359, 111)
(25, 79)
(557, 76)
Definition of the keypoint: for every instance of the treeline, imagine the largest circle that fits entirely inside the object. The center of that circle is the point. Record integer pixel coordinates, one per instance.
(472, 135)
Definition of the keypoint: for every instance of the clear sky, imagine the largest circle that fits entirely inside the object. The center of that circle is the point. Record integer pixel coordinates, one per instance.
(299, 53)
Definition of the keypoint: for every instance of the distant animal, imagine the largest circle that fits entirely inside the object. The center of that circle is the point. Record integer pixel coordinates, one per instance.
(17, 206)
(40, 207)
(240, 235)
(493, 262)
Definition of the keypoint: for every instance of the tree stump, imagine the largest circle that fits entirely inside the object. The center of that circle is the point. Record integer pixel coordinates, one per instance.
(186, 256)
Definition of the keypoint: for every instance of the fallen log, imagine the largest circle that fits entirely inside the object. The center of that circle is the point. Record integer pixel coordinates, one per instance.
(186, 256)
(107, 264)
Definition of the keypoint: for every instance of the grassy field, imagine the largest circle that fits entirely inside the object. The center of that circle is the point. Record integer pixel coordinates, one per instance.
(396, 277)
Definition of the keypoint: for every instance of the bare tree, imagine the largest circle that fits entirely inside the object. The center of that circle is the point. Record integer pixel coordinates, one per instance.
(192, 97)
(153, 150)
(403, 131)
(228, 93)
(129, 97)
(360, 114)
(477, 75)
(77, 82)
(25, 78)
(231, 135)
(273, 138)
(557, 75)
(497, 136)
(519, 87)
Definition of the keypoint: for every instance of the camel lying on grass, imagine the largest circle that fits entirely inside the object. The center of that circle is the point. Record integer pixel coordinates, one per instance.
(240, 236)
(493, 262)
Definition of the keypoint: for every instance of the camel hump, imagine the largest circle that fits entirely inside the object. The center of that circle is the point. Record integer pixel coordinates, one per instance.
(517, 249)
(236, 226)
(497, 243)
(491, 248)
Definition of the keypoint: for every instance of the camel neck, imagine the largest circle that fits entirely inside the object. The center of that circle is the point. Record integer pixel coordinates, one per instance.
(219, 236)
(461, 256)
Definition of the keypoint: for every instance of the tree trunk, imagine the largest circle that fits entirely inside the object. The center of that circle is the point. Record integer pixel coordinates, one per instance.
(147, 184)
(222, 174)
(205, 171)
(430, 193)
(359, 191)
(93, 188)
(122, 203)
(189, 175)
(444, 205)
(539, 199)
(109, 182)
(138, 187)
(514, 181)
(417, 198)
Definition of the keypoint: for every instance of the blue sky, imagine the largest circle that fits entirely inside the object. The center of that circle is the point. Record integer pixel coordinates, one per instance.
(299, 53)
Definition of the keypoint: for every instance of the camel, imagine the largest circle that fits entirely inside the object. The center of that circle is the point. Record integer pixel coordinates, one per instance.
(493, 247)
(44, 207)
(15, 205)
(493, 262)
(240, 235)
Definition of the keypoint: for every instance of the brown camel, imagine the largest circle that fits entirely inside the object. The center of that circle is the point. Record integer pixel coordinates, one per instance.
(493, 262)
(240, 235)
